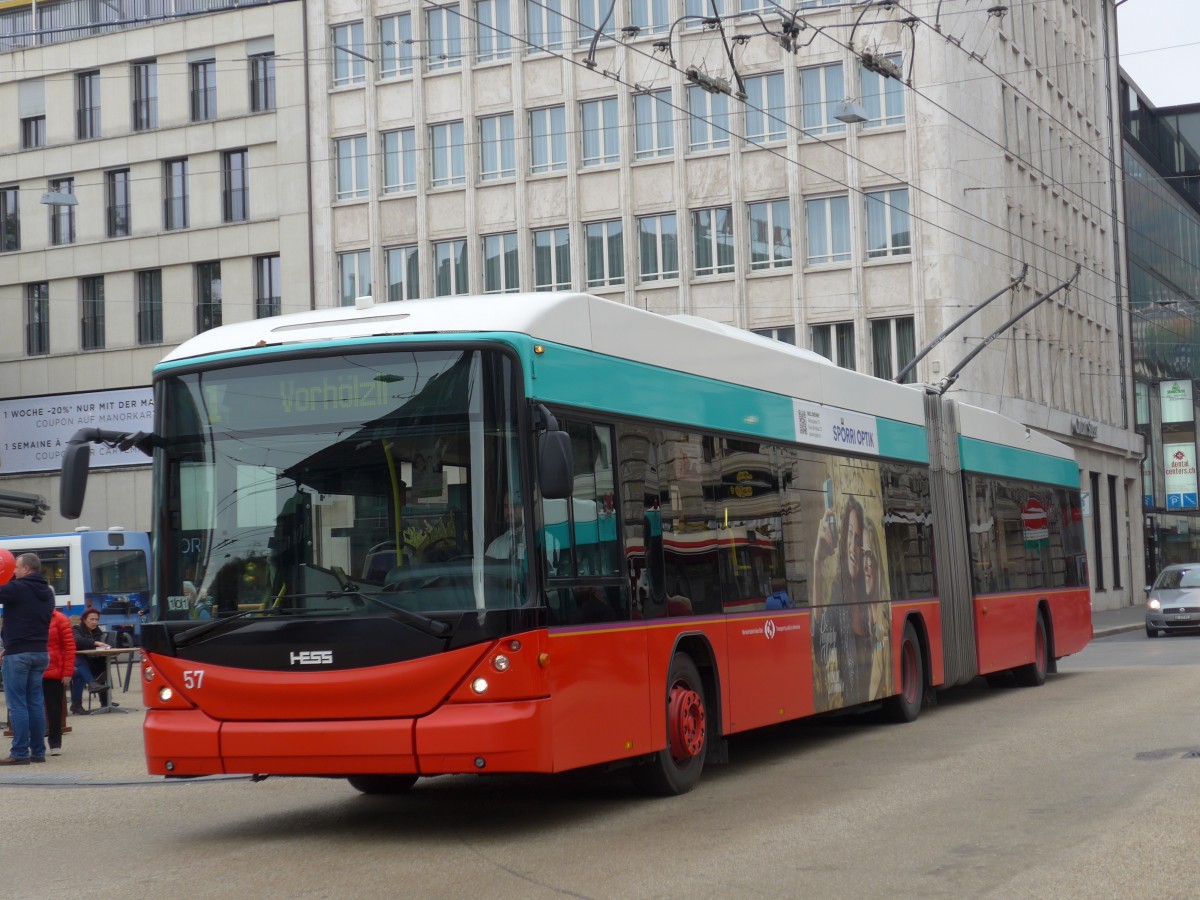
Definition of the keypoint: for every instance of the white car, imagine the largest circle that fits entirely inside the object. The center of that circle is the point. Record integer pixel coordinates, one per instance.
(1173, 602)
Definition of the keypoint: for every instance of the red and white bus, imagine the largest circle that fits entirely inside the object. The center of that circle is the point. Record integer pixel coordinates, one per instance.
(532, 533)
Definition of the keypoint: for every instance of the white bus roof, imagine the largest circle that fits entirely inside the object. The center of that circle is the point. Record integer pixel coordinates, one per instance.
(683, 343)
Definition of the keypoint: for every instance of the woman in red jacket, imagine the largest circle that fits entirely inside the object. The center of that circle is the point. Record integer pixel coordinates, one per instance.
(61, 645)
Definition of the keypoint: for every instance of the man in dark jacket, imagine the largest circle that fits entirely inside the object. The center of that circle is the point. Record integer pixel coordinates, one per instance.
(28, 605)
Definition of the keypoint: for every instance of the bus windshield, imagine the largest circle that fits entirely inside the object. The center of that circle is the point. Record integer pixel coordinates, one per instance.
(341, 485)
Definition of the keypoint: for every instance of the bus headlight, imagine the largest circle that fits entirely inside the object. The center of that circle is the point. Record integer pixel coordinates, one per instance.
(501, 663)
(148, 674)
(165, 694)
(479, 685)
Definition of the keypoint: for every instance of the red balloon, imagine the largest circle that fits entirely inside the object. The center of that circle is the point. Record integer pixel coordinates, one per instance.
(7, 566)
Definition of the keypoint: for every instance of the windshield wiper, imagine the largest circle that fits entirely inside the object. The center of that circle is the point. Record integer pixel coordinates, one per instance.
(421, 623)
(193, 634)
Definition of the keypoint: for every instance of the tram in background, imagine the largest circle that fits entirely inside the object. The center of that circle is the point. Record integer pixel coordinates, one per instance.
(108, 570)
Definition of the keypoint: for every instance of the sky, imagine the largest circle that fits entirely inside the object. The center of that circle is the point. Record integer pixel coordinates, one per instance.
(1157, 40)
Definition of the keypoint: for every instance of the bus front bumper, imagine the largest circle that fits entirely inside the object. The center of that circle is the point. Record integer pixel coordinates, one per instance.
(456, 738)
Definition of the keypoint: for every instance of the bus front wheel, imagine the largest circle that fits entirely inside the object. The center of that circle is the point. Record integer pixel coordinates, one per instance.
(676, 768)
(382, 784)
(906, 705)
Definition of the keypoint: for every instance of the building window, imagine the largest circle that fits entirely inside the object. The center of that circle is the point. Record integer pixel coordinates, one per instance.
(403, 275)
(267, 289)
(116, 202)
(601, 137)
(10, 219)
(592, 16)
(708, 122)
(262, 82)
(605, 253)
(785, 335)
(820, 88)
(62, 217)
(651, 16)
(828, 230)
(552, 259)
(350, 160)
(354, 276)
(87, 105)
(208, 296)
(712, 240)
(548, 139)
(450, 268)
(493, 31)
(444, 34)
(91, 313)
(235, 185)
(882, 97)
(770, 234)
(395, 46)
(149, 307)
(175, 194)
(448, 154)
(144, 76)
(33, 132)
(1098, 569)
(699, 10)
(37, 319)
(399, 161)
(501, 266)
(893, 345)
(654, 134)
(349, 54)
(658, 247)
(545, 25)
(204, 90)
(497, 147)
(835, 342)
(766, 108)
(1114, 531)
(887, 223)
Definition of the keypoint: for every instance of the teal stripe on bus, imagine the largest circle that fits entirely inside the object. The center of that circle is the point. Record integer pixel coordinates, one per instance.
(589, 380)
(593, 381)
(987, 458)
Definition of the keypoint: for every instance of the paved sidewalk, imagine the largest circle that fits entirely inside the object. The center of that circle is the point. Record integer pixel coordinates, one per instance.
(1114, 621)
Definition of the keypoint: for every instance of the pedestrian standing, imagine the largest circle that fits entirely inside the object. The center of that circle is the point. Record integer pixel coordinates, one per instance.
(28, 605)
(61, 647)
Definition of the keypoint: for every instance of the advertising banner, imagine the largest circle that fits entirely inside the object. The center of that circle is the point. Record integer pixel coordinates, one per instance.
(1175, 398)
(1179, 464)
(34, 431)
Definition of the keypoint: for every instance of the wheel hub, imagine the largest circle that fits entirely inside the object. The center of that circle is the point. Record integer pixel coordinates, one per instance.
(687, 723)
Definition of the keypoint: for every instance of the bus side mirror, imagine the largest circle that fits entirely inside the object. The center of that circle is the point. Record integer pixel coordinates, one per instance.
(73, 486)
(556, 476)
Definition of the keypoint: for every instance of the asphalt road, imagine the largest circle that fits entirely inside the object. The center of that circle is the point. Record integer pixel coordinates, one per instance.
(1081, 788)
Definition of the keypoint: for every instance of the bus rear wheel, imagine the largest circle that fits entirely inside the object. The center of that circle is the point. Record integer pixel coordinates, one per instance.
(906, 705)
(676, 768)
(1034, 674)
(382, 784)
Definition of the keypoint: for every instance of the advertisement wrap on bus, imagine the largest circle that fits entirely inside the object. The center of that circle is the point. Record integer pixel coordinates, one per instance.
(533, 533)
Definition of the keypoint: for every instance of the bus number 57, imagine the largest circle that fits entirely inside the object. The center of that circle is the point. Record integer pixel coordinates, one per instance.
(192, 678)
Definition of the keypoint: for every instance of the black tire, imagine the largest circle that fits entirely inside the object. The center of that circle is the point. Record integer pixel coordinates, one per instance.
(382, 784)
(676, 768)
(124, 640)
(1151, 632)
(906, 705)
(1034, 674)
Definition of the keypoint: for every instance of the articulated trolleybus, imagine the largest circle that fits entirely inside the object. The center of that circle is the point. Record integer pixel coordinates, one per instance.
(533, 533)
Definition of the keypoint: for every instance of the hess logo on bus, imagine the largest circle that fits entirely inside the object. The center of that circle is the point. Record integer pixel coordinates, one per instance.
(312, 657)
